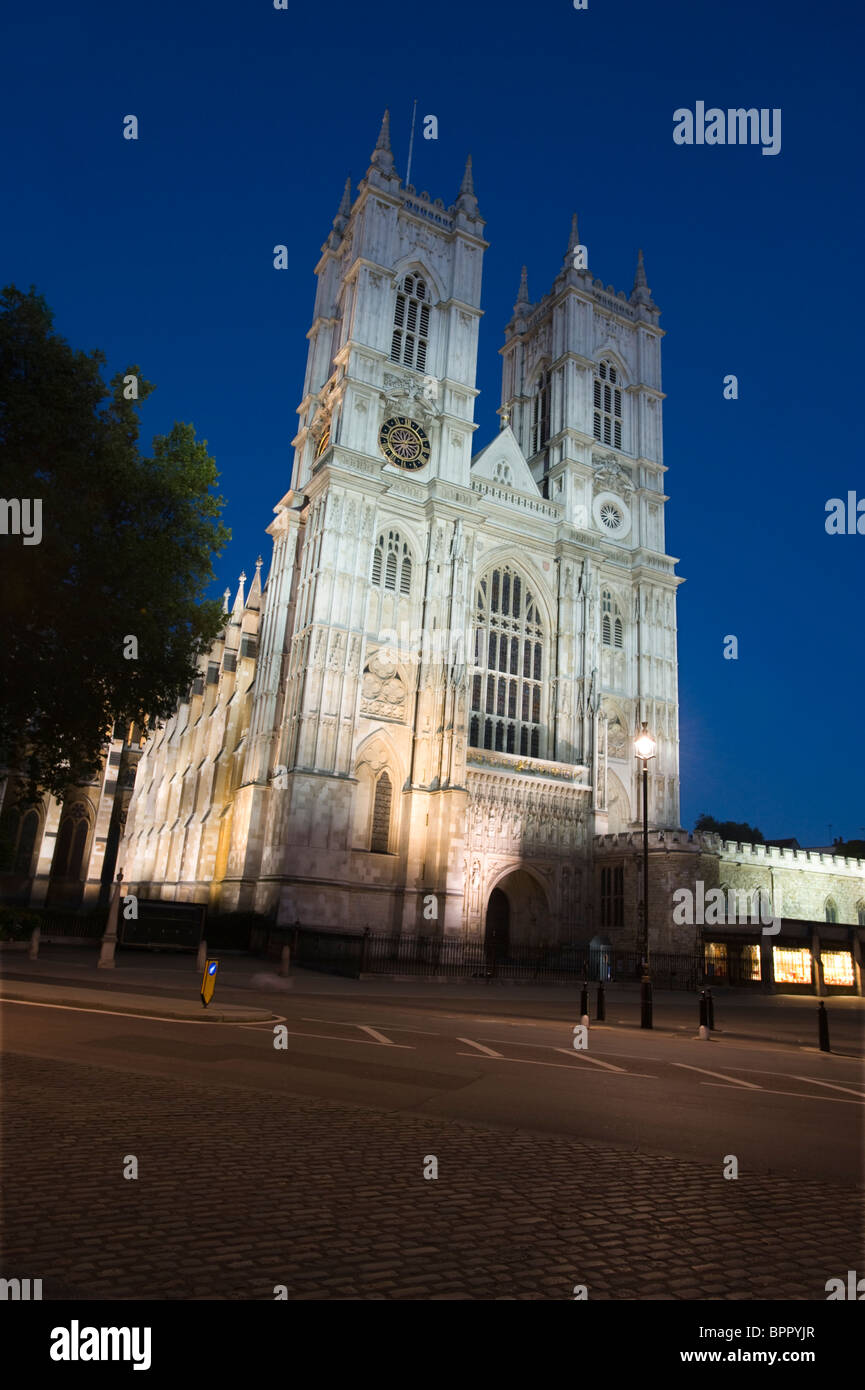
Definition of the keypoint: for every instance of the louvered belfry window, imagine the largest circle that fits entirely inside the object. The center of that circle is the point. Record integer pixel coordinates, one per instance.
(541, 412)
(508, 666)
(608, 405)
(411, 324)
(612, 627)
(391, 563)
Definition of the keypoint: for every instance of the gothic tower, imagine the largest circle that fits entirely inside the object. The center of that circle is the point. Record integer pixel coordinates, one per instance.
(358, 731)
(581, 387)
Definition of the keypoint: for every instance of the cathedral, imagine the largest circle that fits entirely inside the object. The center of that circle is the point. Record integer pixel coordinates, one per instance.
(425, 721)
(428, 713)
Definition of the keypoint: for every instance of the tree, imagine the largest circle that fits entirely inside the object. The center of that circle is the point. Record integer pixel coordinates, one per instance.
(731, 830)
(104, 614)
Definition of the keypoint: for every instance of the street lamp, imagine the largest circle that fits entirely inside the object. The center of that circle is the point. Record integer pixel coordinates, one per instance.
(645, 747)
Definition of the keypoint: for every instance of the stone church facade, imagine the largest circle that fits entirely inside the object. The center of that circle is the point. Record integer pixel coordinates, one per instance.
(426, 718)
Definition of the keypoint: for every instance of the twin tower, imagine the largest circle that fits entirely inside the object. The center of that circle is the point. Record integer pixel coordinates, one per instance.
(427, 715)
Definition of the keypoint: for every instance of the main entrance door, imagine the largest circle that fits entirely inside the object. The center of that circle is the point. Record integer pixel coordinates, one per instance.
(498, 925)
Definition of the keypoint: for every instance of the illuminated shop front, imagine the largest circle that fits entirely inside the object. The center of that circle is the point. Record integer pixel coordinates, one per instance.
(838, 968)
(792, 966)
(784, 961)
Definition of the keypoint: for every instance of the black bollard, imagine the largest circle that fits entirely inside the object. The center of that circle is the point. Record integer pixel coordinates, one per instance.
(584, 999)
(602, 1006)
(645, 1002)
(823, 1027)
(710, 1010)
(704, 1010)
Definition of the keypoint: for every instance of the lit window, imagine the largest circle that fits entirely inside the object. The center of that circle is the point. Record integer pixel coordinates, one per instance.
(608, 405)
(792, 967)
(751, 963)
(411, 324)
(715, 956)
(837, 967)
(380, 837)
(391, 563)
(508, 667)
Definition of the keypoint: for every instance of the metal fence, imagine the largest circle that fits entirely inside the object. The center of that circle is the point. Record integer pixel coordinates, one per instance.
(353, 954)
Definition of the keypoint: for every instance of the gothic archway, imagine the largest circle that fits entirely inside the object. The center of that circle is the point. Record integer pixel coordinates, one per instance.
(528, 911)
(498, 928)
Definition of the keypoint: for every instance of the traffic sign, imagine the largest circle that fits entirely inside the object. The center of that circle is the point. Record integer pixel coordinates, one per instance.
(208, 983)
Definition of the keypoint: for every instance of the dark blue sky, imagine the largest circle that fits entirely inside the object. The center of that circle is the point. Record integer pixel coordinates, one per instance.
(160, 252)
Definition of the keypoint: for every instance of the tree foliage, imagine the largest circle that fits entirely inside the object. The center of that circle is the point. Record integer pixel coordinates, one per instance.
(126, 552)
(731, 830)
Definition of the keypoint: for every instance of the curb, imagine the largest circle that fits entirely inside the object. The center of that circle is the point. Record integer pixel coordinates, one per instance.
(182, 1012)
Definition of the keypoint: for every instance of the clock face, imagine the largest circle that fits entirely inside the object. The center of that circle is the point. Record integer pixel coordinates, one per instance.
(404, 443)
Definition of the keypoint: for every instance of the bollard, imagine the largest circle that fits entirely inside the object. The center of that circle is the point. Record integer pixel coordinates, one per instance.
(285, 962)
(602, 1005)
(584, 999)
(710, 1010)
(704, 1010)
(823, 1027)
(645, 1002)
(33, 953)
(201, 958)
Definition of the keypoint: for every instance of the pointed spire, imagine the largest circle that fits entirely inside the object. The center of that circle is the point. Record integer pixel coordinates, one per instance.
(522, 306)
(239, 599)
(255, 587)
(225, 598)
(467, 202)
(382, 155)
(345, 205)
(641, 294)
(574, 239)
(343, 212)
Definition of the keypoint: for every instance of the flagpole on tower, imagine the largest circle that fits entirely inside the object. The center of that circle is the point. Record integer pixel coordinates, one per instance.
(411, 143)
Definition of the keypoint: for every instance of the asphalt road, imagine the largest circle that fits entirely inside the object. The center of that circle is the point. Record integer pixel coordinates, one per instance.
(304, 1166)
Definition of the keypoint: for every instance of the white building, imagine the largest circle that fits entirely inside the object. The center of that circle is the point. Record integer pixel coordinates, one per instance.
(432, 712)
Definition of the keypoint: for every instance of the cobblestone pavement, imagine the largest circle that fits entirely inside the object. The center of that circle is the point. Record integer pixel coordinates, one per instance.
(239, 1191)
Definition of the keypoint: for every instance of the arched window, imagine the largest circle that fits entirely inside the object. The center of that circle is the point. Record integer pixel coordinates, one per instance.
(391, 563)
(612, 627)
(71, 842)
(608, 405)
(831, 910)
(27, 832)
(541, 412)
(18, 831)
(380, 837)
(508, 667)
(411, 324)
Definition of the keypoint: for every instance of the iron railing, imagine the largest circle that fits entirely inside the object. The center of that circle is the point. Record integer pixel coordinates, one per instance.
(366, 953)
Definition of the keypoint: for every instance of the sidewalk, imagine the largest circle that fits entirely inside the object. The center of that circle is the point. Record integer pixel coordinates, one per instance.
(167, 984)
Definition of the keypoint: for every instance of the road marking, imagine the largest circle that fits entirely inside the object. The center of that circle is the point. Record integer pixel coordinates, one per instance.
(380, 1037)
(731, 1079)
(584, 1057)
(487, 1050)
(797, 1095)
(362, 1042)
(812, 1081)
(569, 1066)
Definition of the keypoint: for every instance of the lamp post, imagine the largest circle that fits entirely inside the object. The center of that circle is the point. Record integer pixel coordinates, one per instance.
(644, 747)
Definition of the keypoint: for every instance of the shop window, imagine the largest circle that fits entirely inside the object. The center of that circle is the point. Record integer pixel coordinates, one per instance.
(792, 967)
(715, 954)
(837, 967)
